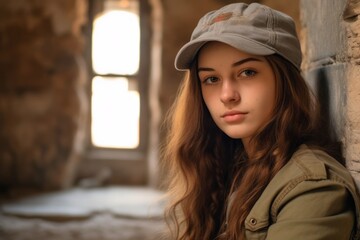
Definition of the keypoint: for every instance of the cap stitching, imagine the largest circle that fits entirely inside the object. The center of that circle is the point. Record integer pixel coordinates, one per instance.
(270, 26)
(275, 26)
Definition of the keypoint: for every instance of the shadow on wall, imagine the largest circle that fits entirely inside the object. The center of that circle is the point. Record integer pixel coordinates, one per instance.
(328, 85)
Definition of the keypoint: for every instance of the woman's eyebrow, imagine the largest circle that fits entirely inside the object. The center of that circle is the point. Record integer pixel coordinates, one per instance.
(242, 61)
(206, 69)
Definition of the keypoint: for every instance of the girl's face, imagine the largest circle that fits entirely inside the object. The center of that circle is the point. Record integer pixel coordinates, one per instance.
(238, 89)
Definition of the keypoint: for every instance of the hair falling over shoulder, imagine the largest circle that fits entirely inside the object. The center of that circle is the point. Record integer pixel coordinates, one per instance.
(204, 166)
(193, 147)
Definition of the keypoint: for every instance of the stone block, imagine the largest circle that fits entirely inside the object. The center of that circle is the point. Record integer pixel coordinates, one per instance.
(322, 30)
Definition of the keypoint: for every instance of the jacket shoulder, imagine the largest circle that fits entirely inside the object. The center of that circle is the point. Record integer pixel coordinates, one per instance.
(308, 170)
(317, 165)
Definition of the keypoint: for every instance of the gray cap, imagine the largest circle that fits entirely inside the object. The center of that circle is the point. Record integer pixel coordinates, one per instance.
(254, 29)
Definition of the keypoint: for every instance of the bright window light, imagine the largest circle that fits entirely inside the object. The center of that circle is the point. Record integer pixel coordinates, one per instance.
(116, 43)
(116, 51)
(115, 113)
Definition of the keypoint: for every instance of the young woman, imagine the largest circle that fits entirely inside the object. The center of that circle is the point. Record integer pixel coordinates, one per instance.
(245, 155)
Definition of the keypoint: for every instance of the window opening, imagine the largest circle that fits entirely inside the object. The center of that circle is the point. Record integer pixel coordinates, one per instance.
(115, 101)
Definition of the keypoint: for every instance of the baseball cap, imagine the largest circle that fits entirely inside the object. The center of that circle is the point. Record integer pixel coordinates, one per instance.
(252, 28)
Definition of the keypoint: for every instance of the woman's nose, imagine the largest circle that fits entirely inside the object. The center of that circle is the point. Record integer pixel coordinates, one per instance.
(229, 92)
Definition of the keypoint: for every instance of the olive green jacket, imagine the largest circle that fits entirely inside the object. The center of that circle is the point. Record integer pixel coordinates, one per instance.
(311, 197)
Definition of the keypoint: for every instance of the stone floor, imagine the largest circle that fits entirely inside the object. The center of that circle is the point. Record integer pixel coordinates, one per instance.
(121, 213)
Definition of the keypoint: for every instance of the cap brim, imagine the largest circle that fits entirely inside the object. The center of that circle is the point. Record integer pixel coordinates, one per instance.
(188, 52)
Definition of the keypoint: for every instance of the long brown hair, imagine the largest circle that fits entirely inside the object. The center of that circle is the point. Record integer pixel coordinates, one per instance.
(205, 166)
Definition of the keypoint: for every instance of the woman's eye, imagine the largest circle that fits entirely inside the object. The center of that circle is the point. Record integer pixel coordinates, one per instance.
(248, 73)
(210, 80)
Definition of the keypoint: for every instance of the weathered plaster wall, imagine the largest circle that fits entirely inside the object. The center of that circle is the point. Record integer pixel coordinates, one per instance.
(42, 101)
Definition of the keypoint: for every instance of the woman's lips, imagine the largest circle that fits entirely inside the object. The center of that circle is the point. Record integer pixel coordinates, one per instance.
(233, 116)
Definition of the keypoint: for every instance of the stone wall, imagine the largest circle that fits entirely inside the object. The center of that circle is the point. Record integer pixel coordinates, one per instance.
(351, 24)
(330, 31)
(42, 101)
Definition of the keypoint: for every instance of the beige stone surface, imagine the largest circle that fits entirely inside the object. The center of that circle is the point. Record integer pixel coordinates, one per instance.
(352, 134)
(42, 92)
(122, 213)
(102, 226)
